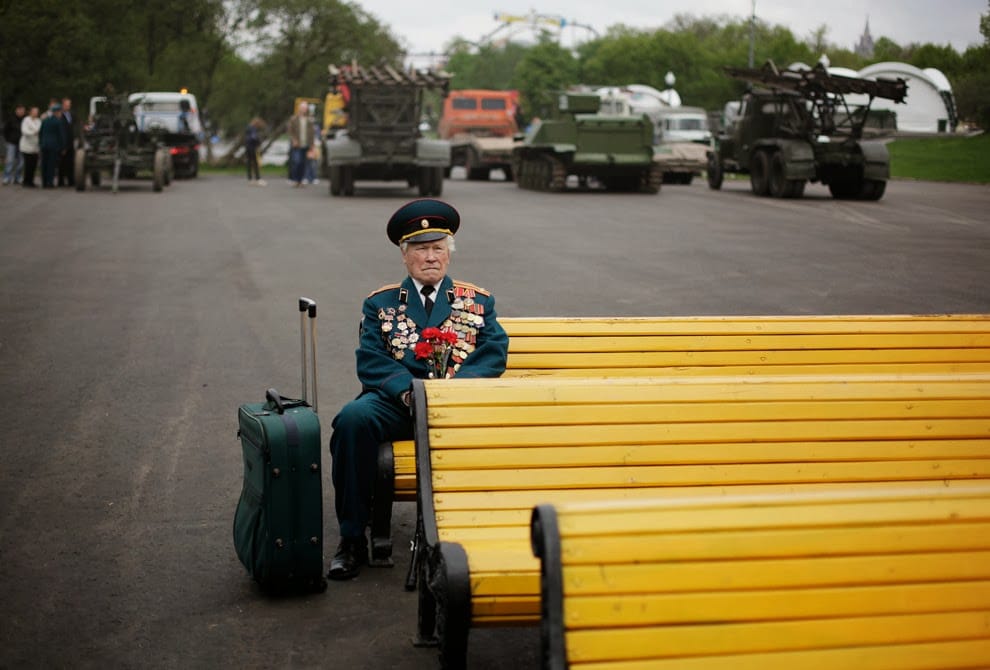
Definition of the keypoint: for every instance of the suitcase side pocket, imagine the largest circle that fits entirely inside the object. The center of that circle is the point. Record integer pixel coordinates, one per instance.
(249, 529)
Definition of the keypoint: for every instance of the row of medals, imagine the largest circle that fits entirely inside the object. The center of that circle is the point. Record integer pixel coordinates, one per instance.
(403, 334)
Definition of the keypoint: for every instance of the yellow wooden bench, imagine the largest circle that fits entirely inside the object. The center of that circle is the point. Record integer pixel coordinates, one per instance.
(489, 450)
(854, 580)
(719, 345)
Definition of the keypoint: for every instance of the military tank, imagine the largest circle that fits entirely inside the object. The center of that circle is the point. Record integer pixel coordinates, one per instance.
(613, 151)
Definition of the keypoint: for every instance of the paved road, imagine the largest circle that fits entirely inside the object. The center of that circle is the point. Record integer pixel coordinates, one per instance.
(132, 326)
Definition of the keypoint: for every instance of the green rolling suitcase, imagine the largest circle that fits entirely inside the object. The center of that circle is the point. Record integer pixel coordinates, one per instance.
(278, 525)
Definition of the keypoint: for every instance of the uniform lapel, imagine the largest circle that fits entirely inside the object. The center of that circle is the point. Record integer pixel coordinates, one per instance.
(441, 304)
(414, 304)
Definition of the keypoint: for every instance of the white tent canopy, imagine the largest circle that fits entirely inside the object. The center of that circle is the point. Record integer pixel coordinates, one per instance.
(929, 106)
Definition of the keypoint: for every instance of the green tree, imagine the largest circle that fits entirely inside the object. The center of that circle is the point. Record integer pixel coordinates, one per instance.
(544, 71)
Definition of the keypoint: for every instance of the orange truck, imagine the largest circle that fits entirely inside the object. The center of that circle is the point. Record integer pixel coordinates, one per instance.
(480, 126)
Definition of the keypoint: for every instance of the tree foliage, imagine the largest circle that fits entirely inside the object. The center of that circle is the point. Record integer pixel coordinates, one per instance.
(245, 58)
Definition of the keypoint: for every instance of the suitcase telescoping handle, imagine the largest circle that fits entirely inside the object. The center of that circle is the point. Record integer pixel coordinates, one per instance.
(308, 307)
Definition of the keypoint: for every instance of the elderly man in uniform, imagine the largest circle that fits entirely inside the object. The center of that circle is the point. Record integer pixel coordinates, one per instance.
(393, 322)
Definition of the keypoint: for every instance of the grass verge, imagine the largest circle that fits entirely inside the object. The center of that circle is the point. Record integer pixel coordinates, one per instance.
(962, 159)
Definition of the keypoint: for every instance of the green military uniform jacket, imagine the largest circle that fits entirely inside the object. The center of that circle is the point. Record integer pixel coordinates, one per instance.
(392, 322)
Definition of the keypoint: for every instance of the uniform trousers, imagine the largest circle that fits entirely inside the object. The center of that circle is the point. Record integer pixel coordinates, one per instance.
(362, 425)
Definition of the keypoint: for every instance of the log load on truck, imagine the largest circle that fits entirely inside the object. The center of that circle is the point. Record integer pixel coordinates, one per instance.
(480, 125)
(382, 140)
(794, 126)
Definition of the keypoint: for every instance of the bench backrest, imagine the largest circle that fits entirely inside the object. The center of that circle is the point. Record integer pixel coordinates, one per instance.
(489, 450)
(724, 345)
(874, 578)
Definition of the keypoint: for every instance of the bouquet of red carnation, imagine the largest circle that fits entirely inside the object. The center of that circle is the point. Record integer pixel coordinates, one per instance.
(435, 346)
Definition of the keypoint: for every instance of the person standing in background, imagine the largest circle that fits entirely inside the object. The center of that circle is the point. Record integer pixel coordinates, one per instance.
(13, 165)
(252, 140)
(67, 161)
(50, 142)
(29, 145)
(301, 137)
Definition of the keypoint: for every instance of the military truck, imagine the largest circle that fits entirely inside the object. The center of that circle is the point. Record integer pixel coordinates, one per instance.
(794, 126)
(382, 140)
(480, 125)
(615, 151)
(113, 143)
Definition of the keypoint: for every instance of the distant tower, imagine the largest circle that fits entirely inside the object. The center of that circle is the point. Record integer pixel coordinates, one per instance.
(865, 47)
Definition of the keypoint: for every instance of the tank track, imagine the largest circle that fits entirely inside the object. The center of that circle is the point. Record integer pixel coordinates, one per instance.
(541, 173)
(652, 179)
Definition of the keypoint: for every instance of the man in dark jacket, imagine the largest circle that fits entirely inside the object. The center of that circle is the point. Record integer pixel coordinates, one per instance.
(50, 141)
(66, 165)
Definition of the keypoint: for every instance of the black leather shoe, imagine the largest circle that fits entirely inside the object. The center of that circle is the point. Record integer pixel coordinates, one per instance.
(352, 553)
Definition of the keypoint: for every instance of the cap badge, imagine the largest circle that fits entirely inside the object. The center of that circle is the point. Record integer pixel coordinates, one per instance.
(424, 224)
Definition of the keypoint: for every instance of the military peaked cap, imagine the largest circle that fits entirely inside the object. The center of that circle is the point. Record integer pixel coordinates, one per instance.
(423, 220)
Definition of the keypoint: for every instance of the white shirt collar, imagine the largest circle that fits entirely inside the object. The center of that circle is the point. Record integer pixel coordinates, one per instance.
(419, 290)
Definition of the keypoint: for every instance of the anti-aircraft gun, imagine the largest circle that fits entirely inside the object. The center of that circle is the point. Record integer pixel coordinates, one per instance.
(113, 143)
(382, 140)
(795, 126)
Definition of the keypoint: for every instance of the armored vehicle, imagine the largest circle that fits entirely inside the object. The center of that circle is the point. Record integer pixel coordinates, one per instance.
(113, 143)
(616, 151)
(382, 140)
(795, 126)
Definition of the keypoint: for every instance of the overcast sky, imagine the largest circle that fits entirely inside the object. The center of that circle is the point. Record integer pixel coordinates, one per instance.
(428, 26)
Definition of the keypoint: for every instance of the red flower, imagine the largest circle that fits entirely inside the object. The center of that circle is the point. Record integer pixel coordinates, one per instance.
(423, 349)
(431, 333)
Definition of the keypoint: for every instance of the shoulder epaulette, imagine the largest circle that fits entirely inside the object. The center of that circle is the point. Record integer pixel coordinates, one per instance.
(387, 287)
(474, 287)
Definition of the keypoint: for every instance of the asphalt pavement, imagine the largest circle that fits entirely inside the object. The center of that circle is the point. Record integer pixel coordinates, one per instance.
(132, 325)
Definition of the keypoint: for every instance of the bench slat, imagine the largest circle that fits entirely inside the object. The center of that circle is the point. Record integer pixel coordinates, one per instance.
(733, 606)
(604, 414)
(789, 369)
(662, 359)
(689, 433)
(516, 392)
(520, 327)
(717, 452)
(584, 343)
(689, 641)
(538, 479)
(608, 580)
(473, 500)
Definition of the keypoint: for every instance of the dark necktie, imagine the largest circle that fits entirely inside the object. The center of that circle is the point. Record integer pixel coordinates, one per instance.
(428, 301)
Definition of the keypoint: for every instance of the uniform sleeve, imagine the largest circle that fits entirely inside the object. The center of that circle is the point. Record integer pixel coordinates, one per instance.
(377, 370)
(492, 349)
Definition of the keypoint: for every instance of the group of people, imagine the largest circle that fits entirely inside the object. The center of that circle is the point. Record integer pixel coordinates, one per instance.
(304, 147)
(47, 139)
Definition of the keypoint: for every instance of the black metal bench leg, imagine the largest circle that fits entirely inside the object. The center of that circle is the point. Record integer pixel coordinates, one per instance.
(381, 509)
(416, 554)
(426, 611)
(453, 595)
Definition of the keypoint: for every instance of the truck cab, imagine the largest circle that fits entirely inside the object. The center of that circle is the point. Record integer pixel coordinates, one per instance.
(480, 125)
(177, 114)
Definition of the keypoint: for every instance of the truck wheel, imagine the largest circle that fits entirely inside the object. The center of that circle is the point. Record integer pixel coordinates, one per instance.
(424, 181)
(79, 171)
(335, 180)
(795, 188)
(873, 189)
(759, 169)
(507, 171)
(347, 180)
(437, 181)
(777, 182)
(158, 177)
(95, 178)
(715, 172)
